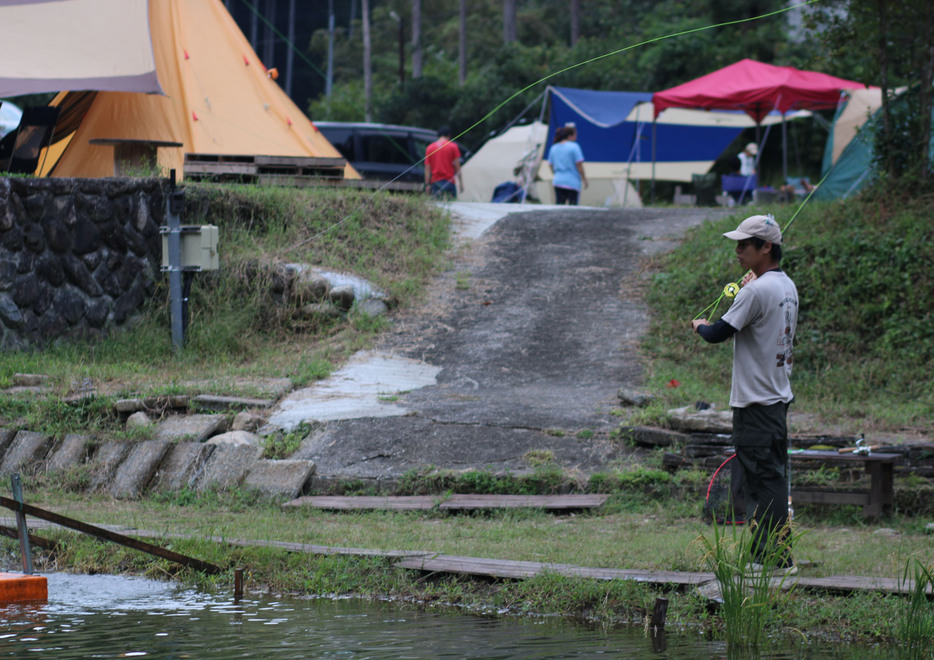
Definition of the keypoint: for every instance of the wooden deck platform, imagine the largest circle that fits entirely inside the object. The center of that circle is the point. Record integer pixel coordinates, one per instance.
(513, 569)
(451, 502)
(264, 170)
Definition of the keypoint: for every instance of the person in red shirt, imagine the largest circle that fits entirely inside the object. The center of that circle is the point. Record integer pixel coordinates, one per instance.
(443, 166)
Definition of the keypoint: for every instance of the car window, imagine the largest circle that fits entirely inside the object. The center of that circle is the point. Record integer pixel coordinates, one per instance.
(422, 142)
(385, 148)
(342, 139)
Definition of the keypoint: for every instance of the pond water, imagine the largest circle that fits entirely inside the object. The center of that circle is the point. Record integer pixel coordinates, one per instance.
(120, 617)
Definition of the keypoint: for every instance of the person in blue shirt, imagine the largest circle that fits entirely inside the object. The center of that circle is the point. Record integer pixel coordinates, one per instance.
(567, 162)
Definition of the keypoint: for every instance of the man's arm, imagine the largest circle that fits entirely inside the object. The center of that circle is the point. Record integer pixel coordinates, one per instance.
(714, 334)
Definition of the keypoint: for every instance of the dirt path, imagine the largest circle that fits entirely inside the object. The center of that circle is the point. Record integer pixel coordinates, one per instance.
(534, 329)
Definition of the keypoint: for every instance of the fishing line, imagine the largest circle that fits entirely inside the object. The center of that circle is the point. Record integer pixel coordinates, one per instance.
(499, 106)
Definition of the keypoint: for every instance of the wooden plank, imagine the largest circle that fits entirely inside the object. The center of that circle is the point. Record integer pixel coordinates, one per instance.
(362, 502)
(834, 457)
(504, 568)
(217, 169)
(578, 501)
(108, 535)
(830, 497)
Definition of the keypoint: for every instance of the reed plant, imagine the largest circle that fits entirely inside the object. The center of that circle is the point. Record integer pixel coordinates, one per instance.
(749, 590)
(916, 621)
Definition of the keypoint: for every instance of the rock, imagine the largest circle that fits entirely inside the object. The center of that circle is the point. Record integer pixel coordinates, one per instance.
(886, 531)
(322, 311)
(181, 466)
(342, 297)
(197, 428)
(227, 466)
(72, 451)
(309, 286)
(106, 461)
(371, 307)
(128, 405)
(25, 451)
(215, 402)
(635, 398)
(690, 418)
(138, 420)
(237, 438)
(285, 478)
(247, 421)
(136, 471)
(31, 380)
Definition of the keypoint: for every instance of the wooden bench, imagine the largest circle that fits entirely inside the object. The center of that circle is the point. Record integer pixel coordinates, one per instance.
(452, 502)
(878, 500)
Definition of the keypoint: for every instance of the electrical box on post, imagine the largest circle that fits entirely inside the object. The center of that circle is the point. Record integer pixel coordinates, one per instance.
(198, 247)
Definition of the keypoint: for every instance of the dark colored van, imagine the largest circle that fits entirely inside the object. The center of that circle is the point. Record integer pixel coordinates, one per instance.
(382, 152)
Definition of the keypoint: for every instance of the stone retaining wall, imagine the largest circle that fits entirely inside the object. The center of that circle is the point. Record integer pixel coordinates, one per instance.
(77, 256)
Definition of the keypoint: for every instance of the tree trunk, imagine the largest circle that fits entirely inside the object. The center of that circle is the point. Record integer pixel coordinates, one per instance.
(575, 22)
(884, 84)
(509, 21)
(925, 93)
(462, 45)
(367, 62)
(416, 38)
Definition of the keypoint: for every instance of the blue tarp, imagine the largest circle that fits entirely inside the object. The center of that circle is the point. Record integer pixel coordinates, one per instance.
(605, 135)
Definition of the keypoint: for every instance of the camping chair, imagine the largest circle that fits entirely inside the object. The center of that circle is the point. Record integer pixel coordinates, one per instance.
(739, 187)
(19, 151)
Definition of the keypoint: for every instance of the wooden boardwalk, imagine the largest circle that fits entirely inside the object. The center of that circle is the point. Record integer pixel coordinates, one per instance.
(511, 569)
(451, 502)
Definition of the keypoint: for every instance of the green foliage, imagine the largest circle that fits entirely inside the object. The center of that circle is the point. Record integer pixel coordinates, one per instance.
(749, 598)
(916, 622)
(282, 445)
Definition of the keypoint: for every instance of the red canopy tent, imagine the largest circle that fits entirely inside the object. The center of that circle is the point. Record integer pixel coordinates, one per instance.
(757, 89)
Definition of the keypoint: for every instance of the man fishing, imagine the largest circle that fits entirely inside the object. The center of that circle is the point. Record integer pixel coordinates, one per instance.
(762, 321)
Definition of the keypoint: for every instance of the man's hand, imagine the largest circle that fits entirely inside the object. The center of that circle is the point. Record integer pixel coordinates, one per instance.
(747, 278)
(696, 323)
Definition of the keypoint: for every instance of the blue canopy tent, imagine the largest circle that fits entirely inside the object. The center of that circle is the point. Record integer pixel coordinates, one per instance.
(612, 128)
(622, 139)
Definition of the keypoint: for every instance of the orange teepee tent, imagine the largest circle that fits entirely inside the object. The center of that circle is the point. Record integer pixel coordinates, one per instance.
(219, 99)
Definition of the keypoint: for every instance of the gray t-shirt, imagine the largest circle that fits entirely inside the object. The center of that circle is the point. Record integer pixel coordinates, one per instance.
(765, 314)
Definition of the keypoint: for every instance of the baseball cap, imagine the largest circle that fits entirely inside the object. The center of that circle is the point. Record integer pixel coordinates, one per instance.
(757, 226)
(752, 148)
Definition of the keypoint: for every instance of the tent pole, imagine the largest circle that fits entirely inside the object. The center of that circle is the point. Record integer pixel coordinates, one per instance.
(784, 150)
(654, 119)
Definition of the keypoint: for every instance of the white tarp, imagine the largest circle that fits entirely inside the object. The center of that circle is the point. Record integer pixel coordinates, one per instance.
(75, 45)
(496, 161)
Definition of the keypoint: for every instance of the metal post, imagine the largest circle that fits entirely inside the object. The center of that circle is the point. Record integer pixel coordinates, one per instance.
(21, 524)
(238, 584)
(173, 207)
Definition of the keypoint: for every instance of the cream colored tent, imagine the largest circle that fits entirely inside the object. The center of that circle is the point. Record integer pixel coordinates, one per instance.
(219, 99)
(75, 44)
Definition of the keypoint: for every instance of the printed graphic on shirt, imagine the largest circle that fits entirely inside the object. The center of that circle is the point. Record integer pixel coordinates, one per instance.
(786, 336)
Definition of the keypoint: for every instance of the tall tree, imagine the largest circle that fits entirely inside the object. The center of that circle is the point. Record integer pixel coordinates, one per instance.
(367, 63)
(462, 44)
(889, 44)
(510, 31)
(416, 39)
